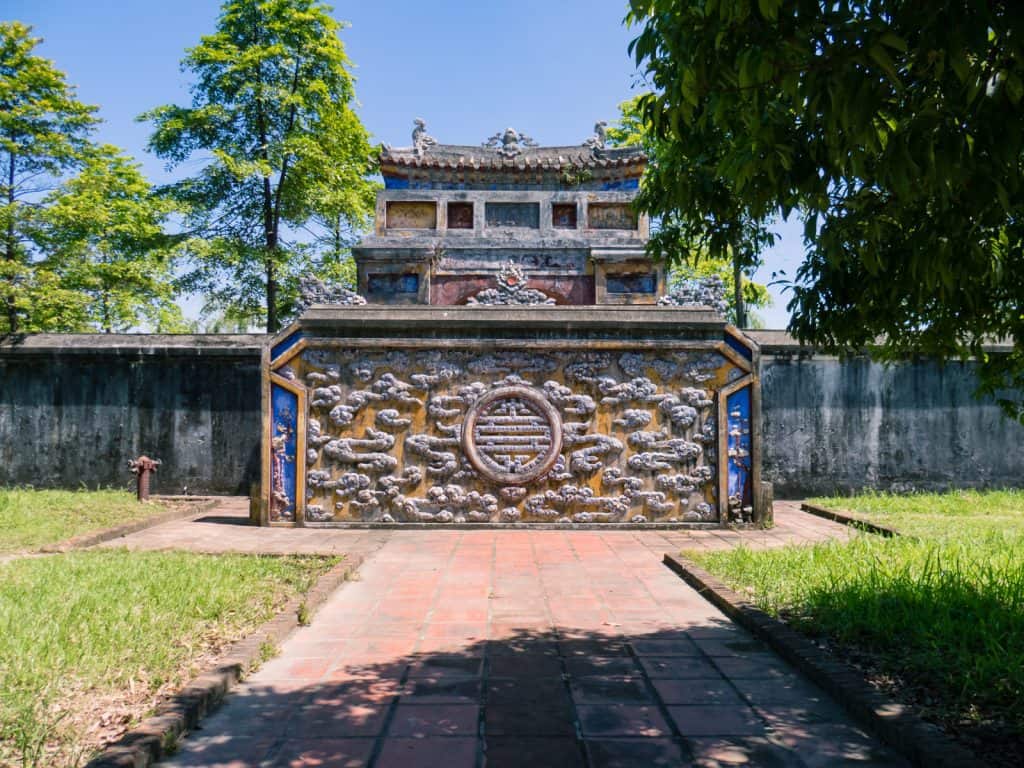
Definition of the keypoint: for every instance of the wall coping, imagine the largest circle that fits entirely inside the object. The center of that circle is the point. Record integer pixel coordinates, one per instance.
(771, 341)
(133, 344)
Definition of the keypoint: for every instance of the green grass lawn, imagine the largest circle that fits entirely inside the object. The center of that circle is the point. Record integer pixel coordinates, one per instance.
(90, 640)
(938, 617)
(30, 519)
(938, 515)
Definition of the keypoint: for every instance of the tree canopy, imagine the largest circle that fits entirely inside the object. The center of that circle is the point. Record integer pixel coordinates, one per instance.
(895, 129)
(693, 243)
(272, 118)
(81, 239)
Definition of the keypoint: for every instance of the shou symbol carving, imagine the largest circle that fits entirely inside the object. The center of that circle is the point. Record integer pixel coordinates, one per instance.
(512, 435)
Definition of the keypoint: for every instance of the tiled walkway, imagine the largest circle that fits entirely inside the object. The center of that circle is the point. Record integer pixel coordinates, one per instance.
(525, 648)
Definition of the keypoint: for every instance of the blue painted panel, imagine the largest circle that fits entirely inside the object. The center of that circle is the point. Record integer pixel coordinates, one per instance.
(284, 419)
(285, 344)
(394, 182)
(739, 346)
(740, 477)
(611, 186)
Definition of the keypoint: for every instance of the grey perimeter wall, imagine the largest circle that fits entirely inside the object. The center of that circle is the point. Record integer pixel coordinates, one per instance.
(74, 409)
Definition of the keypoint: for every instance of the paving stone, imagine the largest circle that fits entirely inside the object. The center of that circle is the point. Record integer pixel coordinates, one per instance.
(422, 720)
(349, 753)
(679, 667)
(791, 690)
(517, 752)
(675, 646)
(824, 745)
(580, 666)
(698, 691)
(634, 753)
(749, 752)
(350, 719)
(621, 720)
(427, 753)
(526, 706)
(525, 665)
(610, 689)
(441, 691)
(446, 667)
(716, 720)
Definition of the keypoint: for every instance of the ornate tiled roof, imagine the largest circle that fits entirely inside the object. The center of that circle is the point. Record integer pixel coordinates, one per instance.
(511, 150)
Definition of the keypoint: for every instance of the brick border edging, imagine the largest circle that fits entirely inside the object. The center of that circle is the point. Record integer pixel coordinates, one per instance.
(86, 540)
(155, 736)
(846, 518)
(924, 744)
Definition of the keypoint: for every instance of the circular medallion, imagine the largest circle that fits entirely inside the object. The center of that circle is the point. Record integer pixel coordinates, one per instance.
(512, 435)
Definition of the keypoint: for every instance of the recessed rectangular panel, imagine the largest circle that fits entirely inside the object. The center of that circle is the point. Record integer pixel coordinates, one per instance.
(460, 215)
(411, 214)
(391, 283)
(284, 407)
(612, 216)
(516, 215)
(631, 283)
(563, 215)
(741, 491)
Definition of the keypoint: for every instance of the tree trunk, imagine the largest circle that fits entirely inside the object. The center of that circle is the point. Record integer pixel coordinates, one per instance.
(271, 296)
(10, 254)
(737, 286)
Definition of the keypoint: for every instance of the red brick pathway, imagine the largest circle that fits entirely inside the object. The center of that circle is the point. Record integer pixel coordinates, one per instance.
(485, 649)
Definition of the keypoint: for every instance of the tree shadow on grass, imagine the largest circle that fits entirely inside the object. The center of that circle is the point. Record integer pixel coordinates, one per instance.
(707, 695)
(949, 646)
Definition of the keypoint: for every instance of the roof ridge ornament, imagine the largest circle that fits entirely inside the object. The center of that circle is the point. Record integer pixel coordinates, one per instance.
(698, 292)
(421, 140)
(511, 290)
(600, 137)
(511, 142)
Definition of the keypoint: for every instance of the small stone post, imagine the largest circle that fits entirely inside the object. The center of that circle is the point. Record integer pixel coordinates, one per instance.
(764, 514)
(142, 468)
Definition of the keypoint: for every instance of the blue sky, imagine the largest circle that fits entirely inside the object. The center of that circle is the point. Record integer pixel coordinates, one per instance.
(469, 68)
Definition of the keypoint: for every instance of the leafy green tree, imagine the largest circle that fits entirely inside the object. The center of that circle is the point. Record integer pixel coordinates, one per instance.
(44, 131)
(896, 129)
(694, 244)
(103, 235)
(271, 116)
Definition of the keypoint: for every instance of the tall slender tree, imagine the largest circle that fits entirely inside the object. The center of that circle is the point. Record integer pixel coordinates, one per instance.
(44, 131)
(272, 93)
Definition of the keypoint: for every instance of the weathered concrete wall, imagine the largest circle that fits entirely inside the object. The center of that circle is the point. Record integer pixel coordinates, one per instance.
(75, 409)
(832, 425)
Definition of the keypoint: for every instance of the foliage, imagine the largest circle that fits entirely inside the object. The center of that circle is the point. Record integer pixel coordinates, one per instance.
(82, 235)
(943, 613)
(895, 128)
(94, 636)
(43, 131)
(31, 518)
(103, 232)
(699, 228)
(271, 114)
